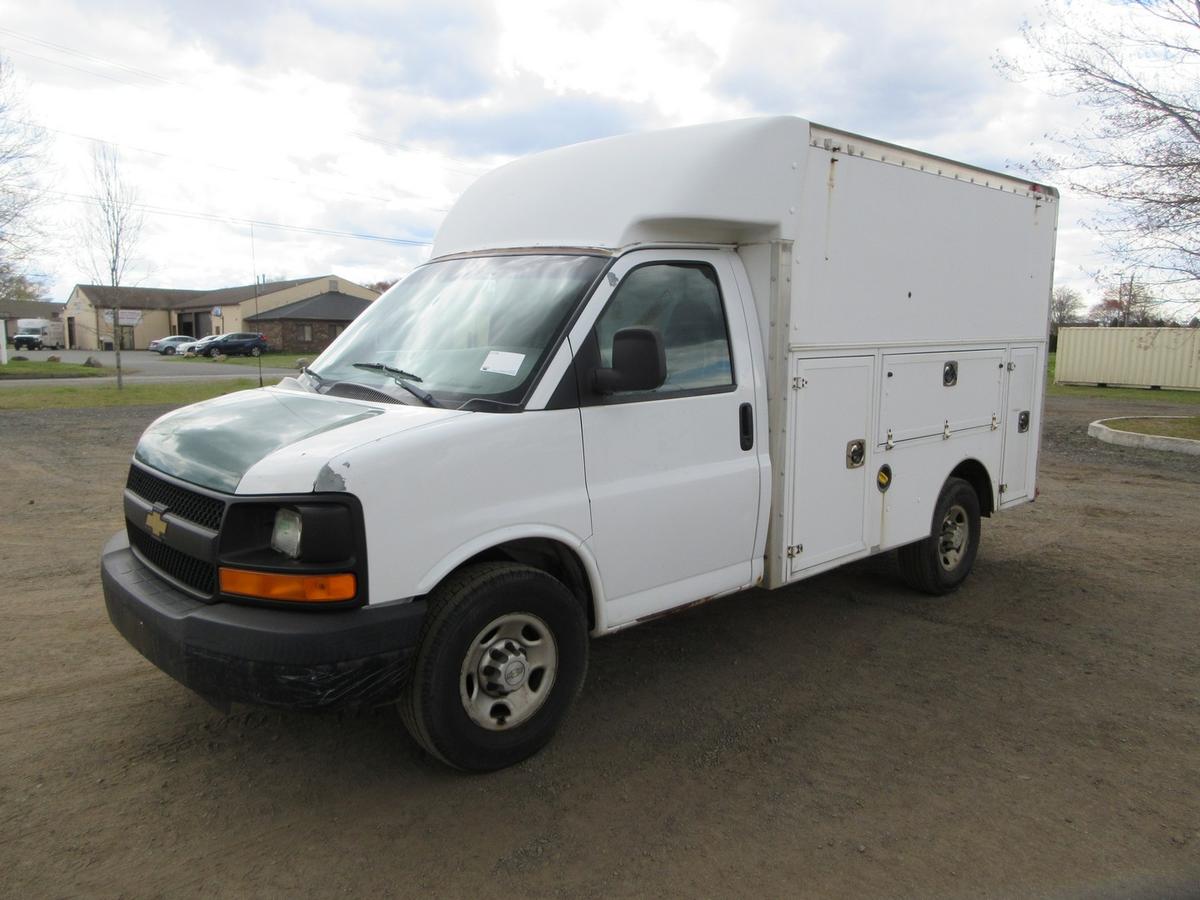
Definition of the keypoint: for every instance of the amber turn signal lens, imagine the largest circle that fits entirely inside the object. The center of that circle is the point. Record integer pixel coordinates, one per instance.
(301, 588)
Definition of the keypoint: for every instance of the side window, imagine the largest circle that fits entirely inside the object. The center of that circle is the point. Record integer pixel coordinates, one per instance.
(683, 301)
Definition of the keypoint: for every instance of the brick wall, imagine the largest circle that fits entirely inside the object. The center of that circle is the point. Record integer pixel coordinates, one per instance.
(289, 335)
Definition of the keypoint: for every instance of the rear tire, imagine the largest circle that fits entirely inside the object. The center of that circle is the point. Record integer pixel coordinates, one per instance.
(255, 351)
(502, 656)
(938, 564)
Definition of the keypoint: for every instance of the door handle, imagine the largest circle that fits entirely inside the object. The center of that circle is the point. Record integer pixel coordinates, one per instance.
(746, 425)
(856, 453)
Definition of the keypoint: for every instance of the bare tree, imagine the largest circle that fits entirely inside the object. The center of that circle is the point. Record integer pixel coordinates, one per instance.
(112, 231)
(21, 146)
(1132, 66)
(1129, 303)
(1065, 304)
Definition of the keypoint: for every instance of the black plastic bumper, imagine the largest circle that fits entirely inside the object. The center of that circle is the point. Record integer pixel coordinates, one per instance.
(302, 659)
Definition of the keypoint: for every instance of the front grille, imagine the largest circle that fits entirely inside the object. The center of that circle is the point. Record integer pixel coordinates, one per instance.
(204, 511)
(188, 570)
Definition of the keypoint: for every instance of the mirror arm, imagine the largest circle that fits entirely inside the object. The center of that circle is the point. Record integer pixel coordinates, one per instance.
(606, 381)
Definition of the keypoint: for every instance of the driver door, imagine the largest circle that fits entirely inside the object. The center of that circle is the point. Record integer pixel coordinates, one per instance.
(672, 478)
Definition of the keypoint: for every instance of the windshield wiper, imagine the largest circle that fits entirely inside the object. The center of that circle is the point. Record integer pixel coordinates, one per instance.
(391, 370)
(402, 378)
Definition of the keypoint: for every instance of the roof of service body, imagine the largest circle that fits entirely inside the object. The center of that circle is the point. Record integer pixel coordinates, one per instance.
(718, 179)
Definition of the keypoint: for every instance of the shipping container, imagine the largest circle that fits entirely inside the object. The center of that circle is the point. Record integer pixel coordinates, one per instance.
(1137, 357)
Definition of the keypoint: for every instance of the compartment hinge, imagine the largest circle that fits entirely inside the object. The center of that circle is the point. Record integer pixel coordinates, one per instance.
(946, 430)
(1003, 488)
(799, 383)
(995, 425)
(795, 550)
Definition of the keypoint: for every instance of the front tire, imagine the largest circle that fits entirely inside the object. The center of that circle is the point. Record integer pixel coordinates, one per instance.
(502, 657)
(939, 564)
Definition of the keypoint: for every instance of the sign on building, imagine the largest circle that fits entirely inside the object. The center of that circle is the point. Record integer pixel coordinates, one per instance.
(128, 316)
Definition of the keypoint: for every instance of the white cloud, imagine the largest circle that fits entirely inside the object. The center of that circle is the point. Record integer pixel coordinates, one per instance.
(661, 53)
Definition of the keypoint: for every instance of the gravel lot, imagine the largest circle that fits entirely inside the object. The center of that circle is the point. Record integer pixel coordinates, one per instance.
(1037, 733)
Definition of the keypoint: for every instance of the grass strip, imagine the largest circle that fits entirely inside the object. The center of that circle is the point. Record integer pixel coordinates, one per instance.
(39, 368)
(1141, 395)
(86, 396)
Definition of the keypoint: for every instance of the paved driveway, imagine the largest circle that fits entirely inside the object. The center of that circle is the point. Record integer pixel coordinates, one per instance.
(142, 365)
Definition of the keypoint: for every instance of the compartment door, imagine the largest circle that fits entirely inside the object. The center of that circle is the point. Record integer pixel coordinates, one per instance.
(832, 414)
(1020, 430)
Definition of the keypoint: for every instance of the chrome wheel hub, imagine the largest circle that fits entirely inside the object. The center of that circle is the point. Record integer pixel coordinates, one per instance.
(955, 537)
(503, 668)
(508, 671)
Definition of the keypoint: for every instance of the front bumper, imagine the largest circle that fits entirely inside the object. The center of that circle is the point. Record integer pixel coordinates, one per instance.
(292, 659)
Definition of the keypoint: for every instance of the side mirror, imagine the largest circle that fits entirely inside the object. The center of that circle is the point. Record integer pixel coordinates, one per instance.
(639, 362)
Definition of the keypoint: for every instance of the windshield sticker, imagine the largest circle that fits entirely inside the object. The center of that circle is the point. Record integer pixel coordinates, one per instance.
(502, 363)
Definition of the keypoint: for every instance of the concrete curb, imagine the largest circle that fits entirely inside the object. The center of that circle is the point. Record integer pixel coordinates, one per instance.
(1103, 432)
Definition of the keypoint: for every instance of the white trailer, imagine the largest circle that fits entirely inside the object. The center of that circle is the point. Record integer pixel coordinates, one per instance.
(637, 374)
(39, 334)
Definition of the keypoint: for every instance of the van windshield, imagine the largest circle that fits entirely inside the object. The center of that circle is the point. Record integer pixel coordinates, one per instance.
(462, 329)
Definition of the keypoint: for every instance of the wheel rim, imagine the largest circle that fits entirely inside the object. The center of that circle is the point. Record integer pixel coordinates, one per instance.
(508, 671)
(955, 537)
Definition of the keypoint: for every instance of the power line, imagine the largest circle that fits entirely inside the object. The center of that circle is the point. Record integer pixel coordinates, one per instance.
(203, 162)
(69, 50)
(410, 149)
(227, 219)
(59, 62)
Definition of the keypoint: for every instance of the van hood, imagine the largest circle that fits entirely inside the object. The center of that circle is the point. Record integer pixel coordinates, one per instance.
(213, 444)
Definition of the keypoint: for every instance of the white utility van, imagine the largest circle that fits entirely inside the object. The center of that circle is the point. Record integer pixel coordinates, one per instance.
(38, 334)
(636, 374)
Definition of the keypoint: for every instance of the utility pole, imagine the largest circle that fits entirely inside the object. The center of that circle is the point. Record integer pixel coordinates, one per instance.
(1125, 297)
(117, 334)
(254, 263)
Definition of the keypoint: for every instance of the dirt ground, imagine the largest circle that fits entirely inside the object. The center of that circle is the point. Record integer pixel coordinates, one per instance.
(1038, 733)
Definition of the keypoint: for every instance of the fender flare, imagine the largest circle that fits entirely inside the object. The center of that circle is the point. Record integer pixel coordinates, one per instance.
(483, 542)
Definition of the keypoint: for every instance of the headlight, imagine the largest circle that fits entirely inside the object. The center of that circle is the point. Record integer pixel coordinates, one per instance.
(285, 536)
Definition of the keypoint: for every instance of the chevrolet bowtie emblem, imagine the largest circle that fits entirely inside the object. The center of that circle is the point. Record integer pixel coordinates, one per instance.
(156, 523)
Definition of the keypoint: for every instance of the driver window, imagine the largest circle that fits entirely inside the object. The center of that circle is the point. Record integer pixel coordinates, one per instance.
(683, 301)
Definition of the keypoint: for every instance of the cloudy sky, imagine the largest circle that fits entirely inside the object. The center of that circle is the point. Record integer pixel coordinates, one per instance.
(346, 130)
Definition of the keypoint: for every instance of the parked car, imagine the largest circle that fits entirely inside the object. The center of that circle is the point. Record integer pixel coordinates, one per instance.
(238, 343)
(169, 346)
(196, 345)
